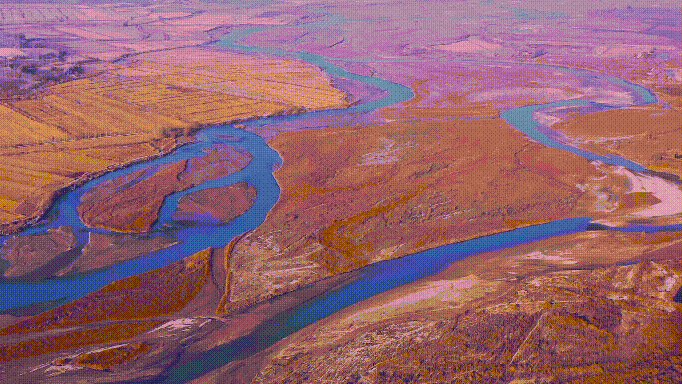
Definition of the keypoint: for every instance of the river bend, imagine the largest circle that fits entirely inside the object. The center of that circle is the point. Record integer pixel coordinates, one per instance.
(374, 279)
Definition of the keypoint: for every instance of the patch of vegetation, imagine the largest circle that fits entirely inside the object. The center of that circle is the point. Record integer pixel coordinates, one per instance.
(636, 200)
(44, 345)
(149, 295)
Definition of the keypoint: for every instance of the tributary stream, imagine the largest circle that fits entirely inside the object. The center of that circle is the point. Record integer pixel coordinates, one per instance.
(372, 280)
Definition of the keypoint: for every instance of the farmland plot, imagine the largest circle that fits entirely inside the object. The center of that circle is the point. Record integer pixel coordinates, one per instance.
(87, 125)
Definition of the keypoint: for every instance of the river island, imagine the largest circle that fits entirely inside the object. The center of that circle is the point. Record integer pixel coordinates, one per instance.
(365, 192)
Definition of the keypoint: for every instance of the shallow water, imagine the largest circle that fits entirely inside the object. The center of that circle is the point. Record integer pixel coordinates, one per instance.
(374, 279)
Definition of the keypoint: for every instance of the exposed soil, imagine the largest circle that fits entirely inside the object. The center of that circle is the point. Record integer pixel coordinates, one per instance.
(105, 250)
(29, 253)
(219, 161)
(220, 204)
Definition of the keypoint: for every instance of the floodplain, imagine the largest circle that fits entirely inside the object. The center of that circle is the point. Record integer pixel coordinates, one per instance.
(89, 88)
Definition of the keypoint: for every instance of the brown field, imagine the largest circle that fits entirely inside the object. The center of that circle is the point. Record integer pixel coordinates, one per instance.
(28, 253)
(151, 98)
(650, 136)
(401, 180)
(117, 312)
(134, 209)
(552, 309)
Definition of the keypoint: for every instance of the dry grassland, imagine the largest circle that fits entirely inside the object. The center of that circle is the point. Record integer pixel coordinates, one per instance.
(649, 135)
(577, 325)
(135, 208)
(124, 109)
(116, 312)
(407, 178)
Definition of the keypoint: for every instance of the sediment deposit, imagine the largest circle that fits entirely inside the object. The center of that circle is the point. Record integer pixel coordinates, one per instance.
(104, 250)
(220, 204)
(220, 161)
(29, 253)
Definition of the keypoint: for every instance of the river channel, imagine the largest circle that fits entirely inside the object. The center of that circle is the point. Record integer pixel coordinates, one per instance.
(372, 280)
(383, 276)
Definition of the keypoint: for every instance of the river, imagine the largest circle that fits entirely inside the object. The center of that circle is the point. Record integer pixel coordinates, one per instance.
(386, 275)
(372, 280)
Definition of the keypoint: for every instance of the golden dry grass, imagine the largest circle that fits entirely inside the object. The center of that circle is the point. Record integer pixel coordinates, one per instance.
(87, 125)
(31, 176)
(135, 209)
(19, 129)
(108, 333)
(146, 296)
(115, 313)
(77, 110)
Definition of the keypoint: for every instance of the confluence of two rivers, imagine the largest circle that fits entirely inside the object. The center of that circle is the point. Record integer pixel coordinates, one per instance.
(373, 279)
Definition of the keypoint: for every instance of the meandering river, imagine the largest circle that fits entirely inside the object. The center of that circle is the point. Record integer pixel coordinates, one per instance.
(382, 276)
(373, 279)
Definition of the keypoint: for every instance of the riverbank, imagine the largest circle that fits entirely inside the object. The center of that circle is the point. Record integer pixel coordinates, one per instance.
(390, 180)
(510, 307)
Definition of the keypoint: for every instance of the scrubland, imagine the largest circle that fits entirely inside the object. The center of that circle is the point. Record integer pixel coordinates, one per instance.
(117, 312)
(116, 114)
(549, 311)
(591, 307)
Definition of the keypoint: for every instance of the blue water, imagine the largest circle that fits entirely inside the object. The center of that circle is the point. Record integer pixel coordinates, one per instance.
(376, 278)
(373, 279)
(382, 276)
(522, 120)
(258, 173)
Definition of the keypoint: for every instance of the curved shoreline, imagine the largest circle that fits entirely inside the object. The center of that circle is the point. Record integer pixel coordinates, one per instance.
(435, 258)
(382, 276)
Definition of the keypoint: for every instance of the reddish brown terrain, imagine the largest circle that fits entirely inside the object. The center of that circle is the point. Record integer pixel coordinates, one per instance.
(124, 205)
(220, 204)
(29, 253)
(359, 188)
(220, 161)
(104, 250)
